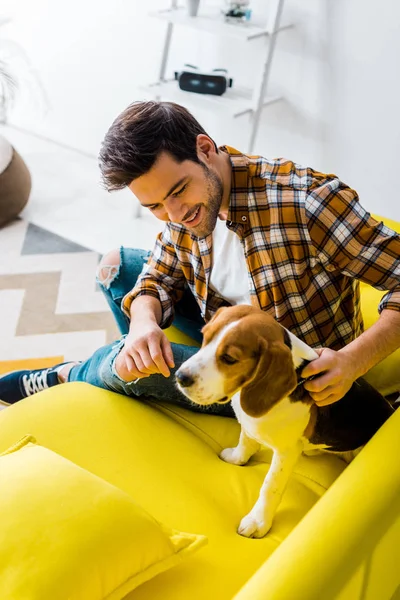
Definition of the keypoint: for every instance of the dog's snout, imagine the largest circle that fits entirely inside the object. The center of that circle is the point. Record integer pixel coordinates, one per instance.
(184, 378)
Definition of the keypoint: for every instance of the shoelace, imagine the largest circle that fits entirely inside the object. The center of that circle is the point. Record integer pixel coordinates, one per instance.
(35, 382)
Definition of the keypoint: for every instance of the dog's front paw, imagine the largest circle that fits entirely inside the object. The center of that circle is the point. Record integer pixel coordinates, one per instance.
(232, 456)
(254, 525)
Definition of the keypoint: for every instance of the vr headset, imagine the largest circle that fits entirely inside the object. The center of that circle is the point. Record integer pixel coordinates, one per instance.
(191, 80)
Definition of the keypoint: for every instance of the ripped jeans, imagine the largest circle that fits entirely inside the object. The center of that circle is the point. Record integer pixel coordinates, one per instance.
(99, 368)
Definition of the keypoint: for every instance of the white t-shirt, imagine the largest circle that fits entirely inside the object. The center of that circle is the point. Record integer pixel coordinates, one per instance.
(229, 275)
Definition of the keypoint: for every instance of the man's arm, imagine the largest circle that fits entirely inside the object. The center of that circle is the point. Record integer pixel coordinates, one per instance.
(146, 308)
(354, 360)
(349, 240)
(161, 278)
(375, 344)
(147, 349)
(149, 306)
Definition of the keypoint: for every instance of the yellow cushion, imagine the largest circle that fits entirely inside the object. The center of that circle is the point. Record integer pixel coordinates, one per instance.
(178, 337)
(395, 225)
(166, 458)
(67, 533)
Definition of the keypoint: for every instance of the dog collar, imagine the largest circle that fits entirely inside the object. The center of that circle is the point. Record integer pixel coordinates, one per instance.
(301, 380)
(304, 379)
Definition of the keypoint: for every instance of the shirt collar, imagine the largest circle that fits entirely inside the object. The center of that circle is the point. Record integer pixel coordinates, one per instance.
(238, 211)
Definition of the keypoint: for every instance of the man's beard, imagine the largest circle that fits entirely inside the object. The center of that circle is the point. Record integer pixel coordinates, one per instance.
(215, 192)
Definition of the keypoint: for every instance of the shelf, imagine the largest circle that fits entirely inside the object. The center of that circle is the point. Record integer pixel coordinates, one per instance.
(213, 23)
(236, 101)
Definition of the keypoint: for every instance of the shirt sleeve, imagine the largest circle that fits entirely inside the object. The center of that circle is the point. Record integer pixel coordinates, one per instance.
(161, 277)
(348, 239)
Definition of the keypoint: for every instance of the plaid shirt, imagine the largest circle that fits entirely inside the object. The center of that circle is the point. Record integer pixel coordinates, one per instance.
(307, 242)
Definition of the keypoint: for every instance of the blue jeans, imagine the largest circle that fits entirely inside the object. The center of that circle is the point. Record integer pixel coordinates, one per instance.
(98, 369)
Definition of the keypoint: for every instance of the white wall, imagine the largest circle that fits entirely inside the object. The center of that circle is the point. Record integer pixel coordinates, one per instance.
(362, 108)
(338, 70)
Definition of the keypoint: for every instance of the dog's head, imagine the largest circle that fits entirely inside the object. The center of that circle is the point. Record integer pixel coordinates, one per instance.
(243, 349)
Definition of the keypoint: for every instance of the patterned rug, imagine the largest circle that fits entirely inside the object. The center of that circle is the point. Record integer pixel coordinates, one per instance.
(51, 309)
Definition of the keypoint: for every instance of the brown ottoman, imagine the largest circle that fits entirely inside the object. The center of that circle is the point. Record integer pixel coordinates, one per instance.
(15, 182)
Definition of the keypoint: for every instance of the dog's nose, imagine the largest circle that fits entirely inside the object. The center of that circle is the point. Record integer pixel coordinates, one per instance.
(184, 379)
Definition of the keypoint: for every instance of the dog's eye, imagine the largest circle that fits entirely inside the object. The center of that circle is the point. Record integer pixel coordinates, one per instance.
(228, 360)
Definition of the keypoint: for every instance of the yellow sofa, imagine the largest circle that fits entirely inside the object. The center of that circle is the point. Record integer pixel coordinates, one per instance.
(337, 531)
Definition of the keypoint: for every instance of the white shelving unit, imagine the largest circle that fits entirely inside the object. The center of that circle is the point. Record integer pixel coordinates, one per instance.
(212, 23)
(236, 101)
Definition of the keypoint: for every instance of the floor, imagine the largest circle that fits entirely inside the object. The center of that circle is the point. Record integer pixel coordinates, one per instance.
(51, 307)
(67, 198)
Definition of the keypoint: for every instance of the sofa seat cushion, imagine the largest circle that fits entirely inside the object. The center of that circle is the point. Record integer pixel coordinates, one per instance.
(166, 458)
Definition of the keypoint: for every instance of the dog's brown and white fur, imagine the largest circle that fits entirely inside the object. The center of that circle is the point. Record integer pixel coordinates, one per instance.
(251, 360)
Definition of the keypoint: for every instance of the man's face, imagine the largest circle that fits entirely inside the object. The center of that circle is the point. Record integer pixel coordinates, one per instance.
(188, 193)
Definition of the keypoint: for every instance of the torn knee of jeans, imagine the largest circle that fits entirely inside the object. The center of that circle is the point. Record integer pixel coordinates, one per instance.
(106, 369)
(106, 274)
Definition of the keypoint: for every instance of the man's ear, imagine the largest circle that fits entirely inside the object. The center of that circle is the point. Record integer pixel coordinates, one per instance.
(274, 378)
(204, 146)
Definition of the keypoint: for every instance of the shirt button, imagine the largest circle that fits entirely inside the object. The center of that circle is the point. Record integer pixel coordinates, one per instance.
(244, 218)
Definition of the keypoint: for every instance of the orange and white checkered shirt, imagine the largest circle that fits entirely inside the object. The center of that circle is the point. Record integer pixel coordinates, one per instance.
(307, 243)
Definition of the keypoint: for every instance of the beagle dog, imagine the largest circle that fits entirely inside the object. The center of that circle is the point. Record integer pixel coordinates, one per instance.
(250, 359)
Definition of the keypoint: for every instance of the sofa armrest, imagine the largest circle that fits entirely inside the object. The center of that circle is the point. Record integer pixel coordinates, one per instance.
(348, 545)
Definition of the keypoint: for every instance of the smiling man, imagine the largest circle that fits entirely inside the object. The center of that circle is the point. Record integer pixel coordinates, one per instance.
(239, 229)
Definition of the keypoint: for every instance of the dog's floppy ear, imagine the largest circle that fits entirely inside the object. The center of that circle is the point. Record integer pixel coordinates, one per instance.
(219, 312)
(210, 326)
(274, 378)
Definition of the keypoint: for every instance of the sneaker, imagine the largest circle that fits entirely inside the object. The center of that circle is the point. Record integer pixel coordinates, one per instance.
(21, 384)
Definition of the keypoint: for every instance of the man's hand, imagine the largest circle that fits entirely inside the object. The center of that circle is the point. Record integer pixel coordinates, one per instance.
(338, 374)
(147, 350)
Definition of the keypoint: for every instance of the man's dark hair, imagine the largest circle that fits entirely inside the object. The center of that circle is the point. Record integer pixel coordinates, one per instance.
(139, 134)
